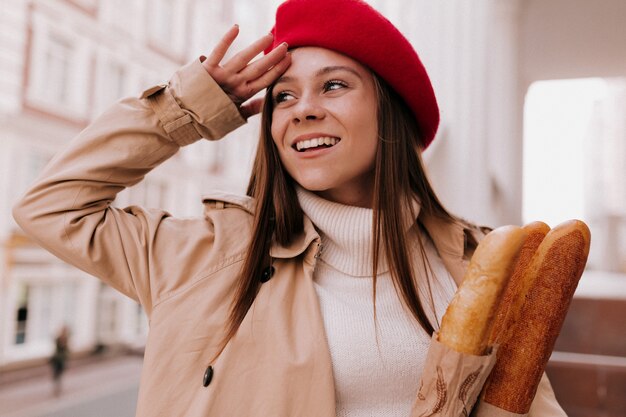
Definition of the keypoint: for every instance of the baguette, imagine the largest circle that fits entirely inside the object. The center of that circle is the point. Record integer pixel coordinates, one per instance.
(557, 265)
(467, 322)
(514, 295)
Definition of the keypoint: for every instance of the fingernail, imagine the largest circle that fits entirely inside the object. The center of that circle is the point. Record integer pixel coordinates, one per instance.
(285, 43)
(235, 25)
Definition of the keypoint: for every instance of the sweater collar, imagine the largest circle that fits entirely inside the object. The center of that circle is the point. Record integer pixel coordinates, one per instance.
(346, 234)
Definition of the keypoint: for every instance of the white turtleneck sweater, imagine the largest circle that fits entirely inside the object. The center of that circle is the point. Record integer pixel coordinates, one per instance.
(370, 380)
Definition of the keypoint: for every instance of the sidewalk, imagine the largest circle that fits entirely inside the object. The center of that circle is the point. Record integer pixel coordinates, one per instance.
(33, 397)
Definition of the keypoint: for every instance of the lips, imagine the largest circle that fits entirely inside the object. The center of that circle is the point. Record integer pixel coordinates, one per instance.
(314, 141)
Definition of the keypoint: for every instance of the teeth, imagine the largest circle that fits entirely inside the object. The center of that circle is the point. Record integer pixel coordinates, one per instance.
(315, 142)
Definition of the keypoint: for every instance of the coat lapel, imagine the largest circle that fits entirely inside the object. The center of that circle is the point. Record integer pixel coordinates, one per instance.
(449, 240)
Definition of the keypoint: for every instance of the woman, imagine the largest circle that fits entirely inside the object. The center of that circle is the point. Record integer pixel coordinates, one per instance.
(265, 307)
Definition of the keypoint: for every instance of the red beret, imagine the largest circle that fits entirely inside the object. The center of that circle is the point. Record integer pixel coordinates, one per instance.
(355, 29)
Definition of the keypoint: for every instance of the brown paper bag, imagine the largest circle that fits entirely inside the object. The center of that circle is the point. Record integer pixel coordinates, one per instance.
(451, 381)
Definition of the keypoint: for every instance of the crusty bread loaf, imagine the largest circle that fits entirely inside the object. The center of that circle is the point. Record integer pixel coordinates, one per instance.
(515, 292)
(466, 325)
(558, 264)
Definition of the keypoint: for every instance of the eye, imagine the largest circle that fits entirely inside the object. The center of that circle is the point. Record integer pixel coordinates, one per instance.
(282, 96)
(334, 85)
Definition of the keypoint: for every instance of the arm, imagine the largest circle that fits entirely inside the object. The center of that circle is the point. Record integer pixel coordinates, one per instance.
(68, 209)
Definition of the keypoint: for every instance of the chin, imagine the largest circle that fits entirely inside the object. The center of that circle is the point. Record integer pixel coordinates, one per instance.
(312, 186)
(315, 184)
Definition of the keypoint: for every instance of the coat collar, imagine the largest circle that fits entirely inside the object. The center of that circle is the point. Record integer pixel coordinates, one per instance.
(299, 244)
(221, 199)
(449, 238)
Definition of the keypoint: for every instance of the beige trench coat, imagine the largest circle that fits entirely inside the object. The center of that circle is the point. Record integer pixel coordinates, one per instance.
(183, 270)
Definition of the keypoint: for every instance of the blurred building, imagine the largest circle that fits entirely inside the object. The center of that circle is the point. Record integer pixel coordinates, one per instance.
(62, 63)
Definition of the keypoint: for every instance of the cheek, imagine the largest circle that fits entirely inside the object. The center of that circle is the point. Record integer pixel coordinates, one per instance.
(278, 129)
(369, 145)
(367, 125)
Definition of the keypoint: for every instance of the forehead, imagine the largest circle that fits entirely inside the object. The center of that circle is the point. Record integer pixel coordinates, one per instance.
(308, 60)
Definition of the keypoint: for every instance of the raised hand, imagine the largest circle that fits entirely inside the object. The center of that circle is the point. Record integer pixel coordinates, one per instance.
(239, 77)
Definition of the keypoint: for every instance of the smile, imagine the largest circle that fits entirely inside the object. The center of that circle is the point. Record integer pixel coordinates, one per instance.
(323, 142)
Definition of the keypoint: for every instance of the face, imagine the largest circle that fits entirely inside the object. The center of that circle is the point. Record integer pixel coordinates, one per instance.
(324, 124)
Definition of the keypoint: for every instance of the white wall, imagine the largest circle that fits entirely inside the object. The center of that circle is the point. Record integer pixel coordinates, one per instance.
(470, 51)
(573, 39)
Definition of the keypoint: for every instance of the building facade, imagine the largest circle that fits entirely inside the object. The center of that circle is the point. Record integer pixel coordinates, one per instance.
(62, 63)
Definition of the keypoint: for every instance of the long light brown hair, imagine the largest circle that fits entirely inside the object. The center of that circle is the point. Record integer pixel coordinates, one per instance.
(400, 178)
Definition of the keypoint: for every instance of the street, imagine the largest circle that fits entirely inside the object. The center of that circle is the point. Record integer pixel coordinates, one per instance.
(103, 389)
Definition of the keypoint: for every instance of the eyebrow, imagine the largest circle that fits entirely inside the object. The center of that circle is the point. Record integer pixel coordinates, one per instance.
(322, 71)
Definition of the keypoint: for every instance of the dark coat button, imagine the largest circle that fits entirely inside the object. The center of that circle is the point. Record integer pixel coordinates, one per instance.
(267, 274)
(208, 376)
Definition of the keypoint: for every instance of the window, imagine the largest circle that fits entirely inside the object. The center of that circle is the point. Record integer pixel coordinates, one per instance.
(26, 164)
(575, 161)
(121, 14)
(21, 315)
(59, 69)
(167, 25)
(118, 80)
(112, 82)
(36, 163)
(108, 324)
(69, 293)
(57, 61)
(42, 312)
(163, 21)
(41, 309)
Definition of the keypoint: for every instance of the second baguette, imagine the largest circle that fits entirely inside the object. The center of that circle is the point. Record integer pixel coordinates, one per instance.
(514, 295)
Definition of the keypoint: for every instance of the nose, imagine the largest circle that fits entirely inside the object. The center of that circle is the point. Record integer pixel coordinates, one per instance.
(308, 108)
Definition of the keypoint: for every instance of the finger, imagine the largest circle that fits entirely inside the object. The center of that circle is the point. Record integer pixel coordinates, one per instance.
(259, 67)
(222, 46)
(251, 107)
(241, 59)
(272, 75)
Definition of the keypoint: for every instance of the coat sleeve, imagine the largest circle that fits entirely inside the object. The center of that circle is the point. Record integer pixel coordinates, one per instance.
(68, 209)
